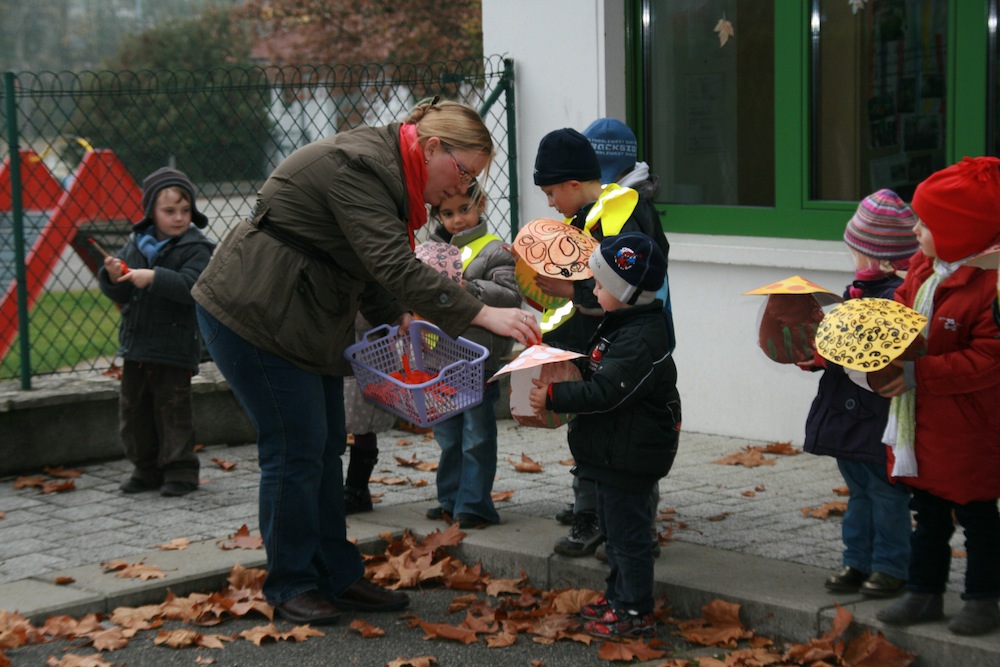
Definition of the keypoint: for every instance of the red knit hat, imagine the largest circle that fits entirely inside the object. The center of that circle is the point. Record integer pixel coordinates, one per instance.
(960, 205)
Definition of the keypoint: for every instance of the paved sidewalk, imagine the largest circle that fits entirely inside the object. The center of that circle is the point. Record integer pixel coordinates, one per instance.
(739, 533)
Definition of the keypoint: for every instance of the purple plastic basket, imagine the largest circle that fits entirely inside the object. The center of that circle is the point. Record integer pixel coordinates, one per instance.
(458, 364)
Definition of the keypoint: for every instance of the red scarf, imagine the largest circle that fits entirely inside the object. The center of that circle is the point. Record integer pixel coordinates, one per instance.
(415, 173)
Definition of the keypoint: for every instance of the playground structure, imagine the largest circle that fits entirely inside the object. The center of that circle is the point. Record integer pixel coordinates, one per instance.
(100, 201)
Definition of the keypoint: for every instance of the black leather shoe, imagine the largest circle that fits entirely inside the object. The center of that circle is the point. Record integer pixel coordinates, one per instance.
(472, 521)
(176, 489)
(363, 595)
(310, 607)
(437, 514)
(882, 585)
(847, 580)
(136, 485)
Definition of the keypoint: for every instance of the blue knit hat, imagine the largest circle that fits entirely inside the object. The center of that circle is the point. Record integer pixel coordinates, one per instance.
(630, 266)
(615, 146)
(565, 155)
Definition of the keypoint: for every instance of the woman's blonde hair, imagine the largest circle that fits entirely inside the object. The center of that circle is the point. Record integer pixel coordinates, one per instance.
(456, 125)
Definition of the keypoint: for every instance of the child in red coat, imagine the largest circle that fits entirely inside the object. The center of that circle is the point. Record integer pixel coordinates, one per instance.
(944, 426)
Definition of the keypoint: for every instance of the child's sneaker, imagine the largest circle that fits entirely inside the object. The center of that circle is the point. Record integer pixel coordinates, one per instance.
(620, 623)
(583, 537)
(596, 609)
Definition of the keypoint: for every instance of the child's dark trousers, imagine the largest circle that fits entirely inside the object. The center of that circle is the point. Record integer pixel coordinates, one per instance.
(624, 518)
(930, 557)
(156, 425)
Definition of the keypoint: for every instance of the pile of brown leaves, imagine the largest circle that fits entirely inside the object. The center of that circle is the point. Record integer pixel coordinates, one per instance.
(494, 610)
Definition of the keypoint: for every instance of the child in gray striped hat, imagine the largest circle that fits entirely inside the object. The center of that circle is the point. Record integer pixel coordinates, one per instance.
(846, 421)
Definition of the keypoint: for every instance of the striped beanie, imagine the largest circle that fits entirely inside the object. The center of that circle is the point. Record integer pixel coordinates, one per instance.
(960, 205)
(165, 177)
(882, 227)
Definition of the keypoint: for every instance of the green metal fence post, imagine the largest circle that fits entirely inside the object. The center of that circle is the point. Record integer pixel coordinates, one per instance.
(17, 217)
(515, 208)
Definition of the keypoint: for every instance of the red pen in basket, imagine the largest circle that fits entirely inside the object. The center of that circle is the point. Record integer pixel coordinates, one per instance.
(440, 376)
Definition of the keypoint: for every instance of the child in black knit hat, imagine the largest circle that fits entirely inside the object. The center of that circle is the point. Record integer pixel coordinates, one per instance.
(151, 278)
(625, 435)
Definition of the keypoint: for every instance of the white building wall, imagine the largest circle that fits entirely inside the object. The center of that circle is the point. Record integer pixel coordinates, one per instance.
(569, 68)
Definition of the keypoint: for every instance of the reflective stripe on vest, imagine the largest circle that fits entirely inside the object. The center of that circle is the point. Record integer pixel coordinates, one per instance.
(471, 249)
(612, 210)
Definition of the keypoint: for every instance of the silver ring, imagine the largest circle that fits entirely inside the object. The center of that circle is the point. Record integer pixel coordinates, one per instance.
(524, 318)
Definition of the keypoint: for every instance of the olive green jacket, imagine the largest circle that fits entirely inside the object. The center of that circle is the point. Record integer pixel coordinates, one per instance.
(343, 202)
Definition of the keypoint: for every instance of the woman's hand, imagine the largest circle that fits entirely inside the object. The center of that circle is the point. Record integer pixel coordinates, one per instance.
(141, 278)
(555, 286)
(509, 322)
(537, 396)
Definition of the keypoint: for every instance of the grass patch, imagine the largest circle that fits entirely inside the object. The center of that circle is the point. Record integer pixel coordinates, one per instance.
(66, 329)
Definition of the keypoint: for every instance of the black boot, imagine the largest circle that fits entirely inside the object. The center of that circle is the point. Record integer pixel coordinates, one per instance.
(357, 498)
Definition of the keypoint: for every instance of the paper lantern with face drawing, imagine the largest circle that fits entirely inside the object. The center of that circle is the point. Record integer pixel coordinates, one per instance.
(788, 321)
(550, 248)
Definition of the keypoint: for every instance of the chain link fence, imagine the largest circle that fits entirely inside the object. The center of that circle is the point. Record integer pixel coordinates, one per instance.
(78, 145)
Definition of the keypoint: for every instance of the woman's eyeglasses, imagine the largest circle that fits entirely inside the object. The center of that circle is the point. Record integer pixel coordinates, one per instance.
(464, 175)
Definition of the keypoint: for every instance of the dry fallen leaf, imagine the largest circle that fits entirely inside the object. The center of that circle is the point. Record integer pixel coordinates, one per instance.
(176, 544)
(422, 661)
(526, 464)
(61, 472)
(28, 482)
(501, 496)
(58, 487)
(835, 507)
(781, 448)
(225, 465)
(718, 625)
(366, 630)
(445, 631)
(73, 660)
(628, 650)
(750, 457)
(242, 539)
(63, 581)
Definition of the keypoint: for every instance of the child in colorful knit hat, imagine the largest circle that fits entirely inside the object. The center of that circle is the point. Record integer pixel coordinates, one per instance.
(943, 419)
(847, 421)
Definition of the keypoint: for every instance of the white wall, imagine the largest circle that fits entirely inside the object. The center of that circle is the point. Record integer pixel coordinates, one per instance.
(561, 70)
(569, 69)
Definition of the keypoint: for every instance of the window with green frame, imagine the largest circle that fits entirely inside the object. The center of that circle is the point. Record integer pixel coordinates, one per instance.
(767, 118)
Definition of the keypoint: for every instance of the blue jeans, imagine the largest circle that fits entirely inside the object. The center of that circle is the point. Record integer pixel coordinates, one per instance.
(299, 417)
(931, 546)
(877, 525)
(468, 461)
(624, 518)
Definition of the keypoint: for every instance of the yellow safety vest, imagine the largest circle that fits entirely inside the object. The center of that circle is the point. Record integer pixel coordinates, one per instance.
(612, 210)
(474, 247)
